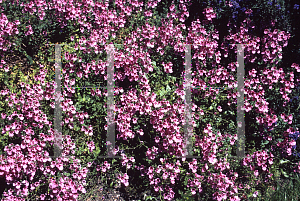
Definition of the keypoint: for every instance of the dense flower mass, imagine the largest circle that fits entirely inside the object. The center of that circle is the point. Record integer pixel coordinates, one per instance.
(28, 167)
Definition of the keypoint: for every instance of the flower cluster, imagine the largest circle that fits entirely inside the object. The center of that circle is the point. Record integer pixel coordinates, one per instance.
(38, 162)
(166, 118)
(104, 168)
(168, 67)
(209, 13)
(123, 179)
(91, 146)
(125, 161)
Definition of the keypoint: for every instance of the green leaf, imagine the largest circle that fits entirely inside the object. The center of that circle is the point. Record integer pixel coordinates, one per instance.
(266, 142)
(283, 161)
(150, 198)
(284, 173)
(76, 128)
(168, 88)
(97, 151)
(162, 92)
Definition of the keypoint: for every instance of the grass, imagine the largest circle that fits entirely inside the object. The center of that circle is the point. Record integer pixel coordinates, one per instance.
(286, 190)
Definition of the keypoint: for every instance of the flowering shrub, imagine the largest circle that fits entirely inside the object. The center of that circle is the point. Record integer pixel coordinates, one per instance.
(149, 119)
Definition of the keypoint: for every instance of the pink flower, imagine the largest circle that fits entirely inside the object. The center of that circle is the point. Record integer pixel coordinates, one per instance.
(212, 160)
(42, 196)
(193, 191)
(248, 12)
(3, 115)
(201, 112)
